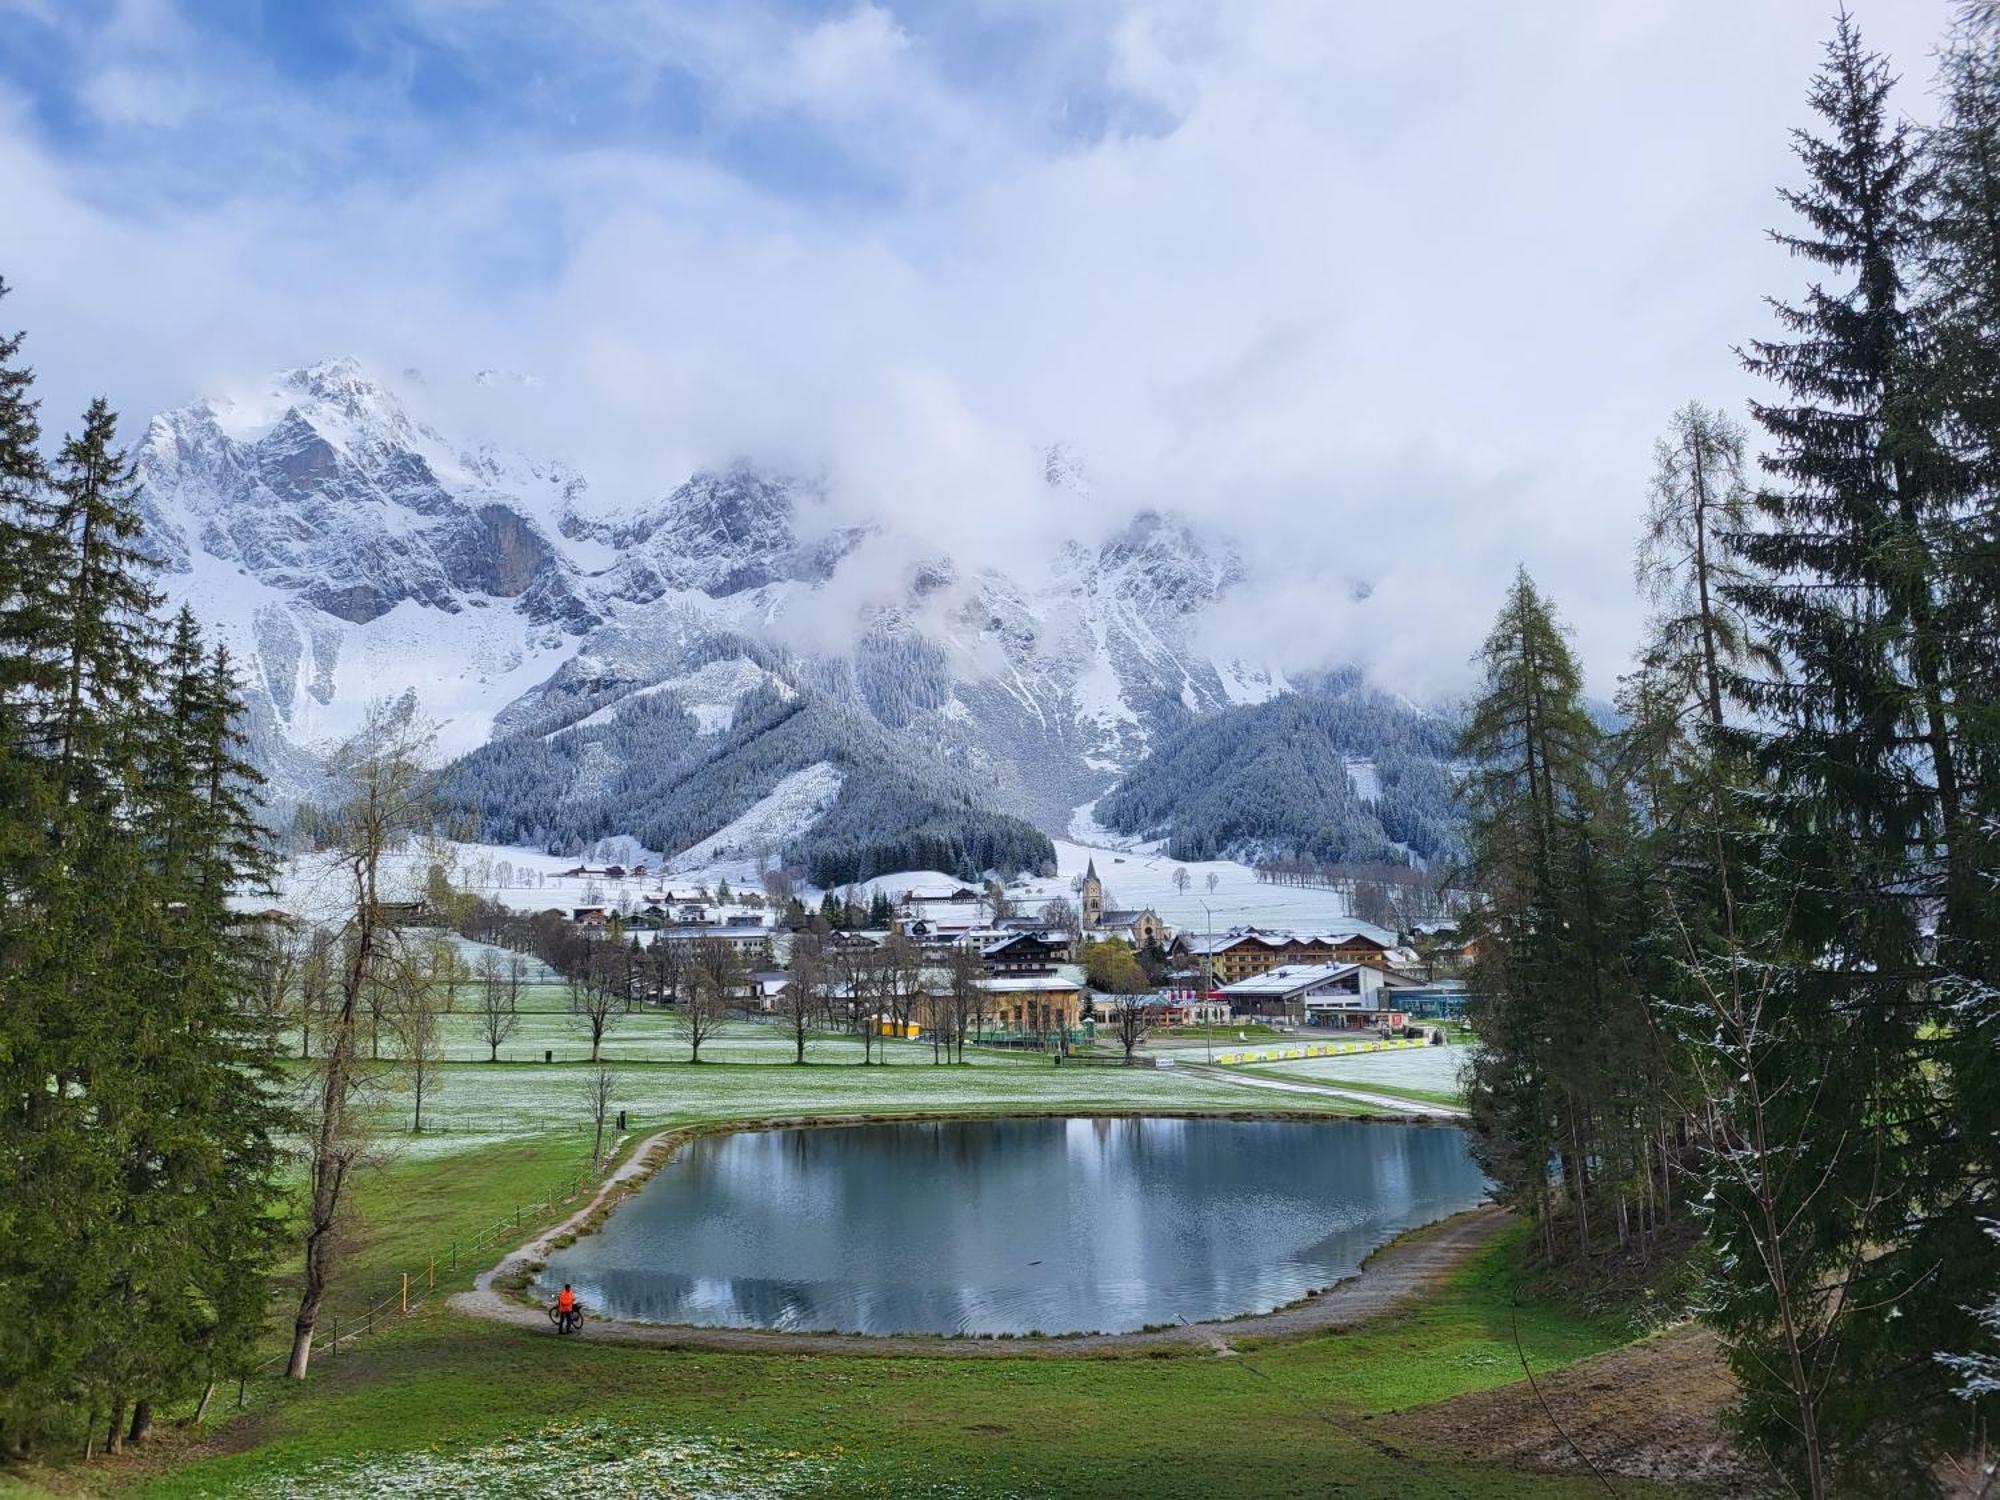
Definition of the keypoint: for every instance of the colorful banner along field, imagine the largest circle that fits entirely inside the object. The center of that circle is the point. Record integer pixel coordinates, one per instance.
(1317, 1049)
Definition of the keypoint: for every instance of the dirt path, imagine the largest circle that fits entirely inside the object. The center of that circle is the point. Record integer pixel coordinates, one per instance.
(1395, 1274)
(1652, 1410)
(1352, 1092)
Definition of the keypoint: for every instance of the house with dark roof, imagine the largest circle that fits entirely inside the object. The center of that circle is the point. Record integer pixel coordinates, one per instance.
(1341, 997)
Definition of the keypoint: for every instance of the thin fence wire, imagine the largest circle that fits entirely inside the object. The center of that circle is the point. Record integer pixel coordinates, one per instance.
(415, 1288)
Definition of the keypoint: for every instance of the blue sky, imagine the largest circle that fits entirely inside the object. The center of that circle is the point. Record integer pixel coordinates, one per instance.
(1403, 289)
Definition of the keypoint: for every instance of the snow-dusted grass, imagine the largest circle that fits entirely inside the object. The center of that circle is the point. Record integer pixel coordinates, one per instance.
(746, 1072)
(480, 1105)
(596, 1456)
(1437, 1069)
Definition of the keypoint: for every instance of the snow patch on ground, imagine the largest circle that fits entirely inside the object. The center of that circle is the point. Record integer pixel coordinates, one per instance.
(789, 809)
(710, 694)
(1361, 776)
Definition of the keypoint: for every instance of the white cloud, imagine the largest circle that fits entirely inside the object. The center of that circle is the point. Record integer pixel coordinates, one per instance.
(1390, 294)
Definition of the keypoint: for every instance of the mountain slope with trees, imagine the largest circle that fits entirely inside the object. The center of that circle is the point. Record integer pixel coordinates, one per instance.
(649, 772)
(1287, 777)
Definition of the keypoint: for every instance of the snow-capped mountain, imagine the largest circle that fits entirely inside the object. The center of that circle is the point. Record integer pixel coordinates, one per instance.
(349, 552)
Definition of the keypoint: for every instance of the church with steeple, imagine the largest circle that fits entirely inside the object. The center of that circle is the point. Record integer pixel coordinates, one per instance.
(1142, 928)
(1090, 897)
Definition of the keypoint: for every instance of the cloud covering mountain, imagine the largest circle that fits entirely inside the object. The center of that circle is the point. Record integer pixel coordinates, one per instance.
(610, 645)
(1255, 262)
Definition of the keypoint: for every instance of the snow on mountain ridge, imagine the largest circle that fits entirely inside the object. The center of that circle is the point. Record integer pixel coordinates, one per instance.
(348, 551)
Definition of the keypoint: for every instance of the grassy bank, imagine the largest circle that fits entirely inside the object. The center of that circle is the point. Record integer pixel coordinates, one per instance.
(445, 1401)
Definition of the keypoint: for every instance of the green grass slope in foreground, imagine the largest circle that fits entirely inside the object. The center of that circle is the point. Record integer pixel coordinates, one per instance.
(452, 1406)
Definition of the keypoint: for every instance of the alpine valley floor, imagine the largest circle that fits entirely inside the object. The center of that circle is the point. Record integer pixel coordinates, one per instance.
(437, 1402)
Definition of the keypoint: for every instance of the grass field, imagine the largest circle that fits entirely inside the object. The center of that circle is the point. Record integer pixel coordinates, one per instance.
(445, 1405)
(441, 1404)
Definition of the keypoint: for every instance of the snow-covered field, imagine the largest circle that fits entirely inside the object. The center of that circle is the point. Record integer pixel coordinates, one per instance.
(1438, 1068)
(528, 879)
(1140, 876)
(476, 1106)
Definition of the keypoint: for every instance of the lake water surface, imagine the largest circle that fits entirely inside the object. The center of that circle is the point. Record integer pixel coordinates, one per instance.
(1012, 1226)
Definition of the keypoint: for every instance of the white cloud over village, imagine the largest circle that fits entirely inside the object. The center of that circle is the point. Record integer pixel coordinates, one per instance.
(1397, 298)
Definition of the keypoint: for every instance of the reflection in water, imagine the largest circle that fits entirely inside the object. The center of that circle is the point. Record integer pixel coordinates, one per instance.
(1011, 1226)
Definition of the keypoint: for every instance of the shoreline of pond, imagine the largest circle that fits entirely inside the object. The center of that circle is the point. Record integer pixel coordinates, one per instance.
(1413, 1256)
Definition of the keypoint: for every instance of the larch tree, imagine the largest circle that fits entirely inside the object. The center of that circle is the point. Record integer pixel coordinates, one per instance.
(1560, 1027)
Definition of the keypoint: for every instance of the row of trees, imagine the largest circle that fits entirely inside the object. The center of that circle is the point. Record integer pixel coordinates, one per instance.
(139, 1102)
(1739, 967)
(1388, 895)
(852, 987)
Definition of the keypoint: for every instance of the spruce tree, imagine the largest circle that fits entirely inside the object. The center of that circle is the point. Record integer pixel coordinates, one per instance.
(1962, 321)
(1860, 794)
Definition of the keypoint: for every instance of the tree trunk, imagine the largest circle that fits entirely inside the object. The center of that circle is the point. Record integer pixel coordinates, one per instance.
(201, 1406)
(114, 1433)
(142, 1421)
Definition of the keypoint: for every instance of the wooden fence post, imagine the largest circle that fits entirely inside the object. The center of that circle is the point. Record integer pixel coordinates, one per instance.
(431, 1276)
(406, 1294)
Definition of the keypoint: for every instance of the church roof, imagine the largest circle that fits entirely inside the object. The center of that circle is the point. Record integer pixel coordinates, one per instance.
(1090, 870)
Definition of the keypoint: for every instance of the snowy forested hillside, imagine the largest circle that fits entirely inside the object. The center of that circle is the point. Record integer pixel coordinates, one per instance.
(798, 777)
(1338, 771)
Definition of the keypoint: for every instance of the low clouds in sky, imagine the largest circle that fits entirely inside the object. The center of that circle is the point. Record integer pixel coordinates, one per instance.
(1384, 293)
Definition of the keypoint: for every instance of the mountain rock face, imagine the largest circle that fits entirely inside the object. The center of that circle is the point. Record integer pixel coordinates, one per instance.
(349, 553)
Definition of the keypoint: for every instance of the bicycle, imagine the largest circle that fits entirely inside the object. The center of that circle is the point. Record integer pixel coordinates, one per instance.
(567, 1322)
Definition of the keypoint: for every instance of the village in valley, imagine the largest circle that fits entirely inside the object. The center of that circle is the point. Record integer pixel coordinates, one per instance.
(1045, 965)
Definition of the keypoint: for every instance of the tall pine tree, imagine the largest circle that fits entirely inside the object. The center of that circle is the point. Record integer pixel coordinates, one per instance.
(1857, 743)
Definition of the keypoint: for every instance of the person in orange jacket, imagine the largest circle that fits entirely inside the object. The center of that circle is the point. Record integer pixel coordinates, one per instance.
(565, 1305)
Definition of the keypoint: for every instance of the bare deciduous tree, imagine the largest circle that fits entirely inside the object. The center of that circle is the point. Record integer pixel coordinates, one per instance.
(313, 998)
(1135, 1019)
(388, 782)
(714, 976)
(805, 990)
(593, 997)
(599, 1088)
(1059, 914)
(418, 1044)
(499, 1014)
(965, 994)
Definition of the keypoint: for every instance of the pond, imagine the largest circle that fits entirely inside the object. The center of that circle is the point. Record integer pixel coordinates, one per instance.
(1011, 1226)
